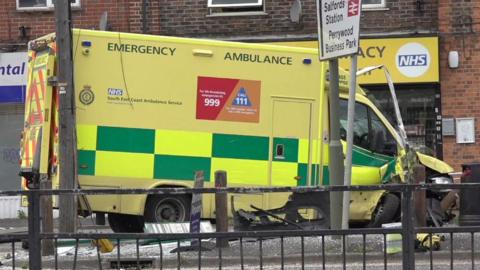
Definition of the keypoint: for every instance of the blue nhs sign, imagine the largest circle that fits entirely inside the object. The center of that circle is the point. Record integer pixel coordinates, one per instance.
(13, 77)
(115, 92)
(412, 60)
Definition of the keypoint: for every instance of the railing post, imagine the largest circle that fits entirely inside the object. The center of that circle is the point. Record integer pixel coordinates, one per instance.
(221, 214)
(46, 216)
(34, 241)
(408, 228)
(419, 198)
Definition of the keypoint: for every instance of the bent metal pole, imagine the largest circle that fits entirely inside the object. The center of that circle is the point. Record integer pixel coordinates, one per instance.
(347, 181)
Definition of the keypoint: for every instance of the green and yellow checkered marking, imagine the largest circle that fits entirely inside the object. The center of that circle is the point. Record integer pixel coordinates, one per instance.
(132, 140)
(362, 158)
(240, 147)
(124, 164)
(194, 144)
(176, 155)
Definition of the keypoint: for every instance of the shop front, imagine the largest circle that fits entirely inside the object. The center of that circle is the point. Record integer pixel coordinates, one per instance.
(13, 78)
(413, 63)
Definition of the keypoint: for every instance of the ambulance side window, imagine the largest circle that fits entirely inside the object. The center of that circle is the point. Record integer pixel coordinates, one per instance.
(382, 141)
(360, 125)
(368, 130)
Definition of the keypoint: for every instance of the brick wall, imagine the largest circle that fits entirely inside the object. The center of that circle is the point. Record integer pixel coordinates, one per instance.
(123, 15)
(460, 87)
(191, 18)
(402, 16)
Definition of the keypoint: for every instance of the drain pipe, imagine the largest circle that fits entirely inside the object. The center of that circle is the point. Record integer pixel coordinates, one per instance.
(144, 16)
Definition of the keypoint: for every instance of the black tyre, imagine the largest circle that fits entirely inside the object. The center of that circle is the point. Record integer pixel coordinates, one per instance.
(386, 211)
(166, 208)
(125, 223)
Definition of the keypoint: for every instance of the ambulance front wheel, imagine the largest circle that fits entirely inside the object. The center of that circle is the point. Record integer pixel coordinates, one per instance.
(386, 211)
(167, 208)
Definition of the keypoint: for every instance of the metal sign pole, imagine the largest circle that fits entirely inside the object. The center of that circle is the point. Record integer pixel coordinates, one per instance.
(347, 181)
(338, 35)
(335, 163)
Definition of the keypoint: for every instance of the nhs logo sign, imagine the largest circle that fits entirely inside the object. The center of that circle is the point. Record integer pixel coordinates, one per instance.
(413, 60)
(115, 92)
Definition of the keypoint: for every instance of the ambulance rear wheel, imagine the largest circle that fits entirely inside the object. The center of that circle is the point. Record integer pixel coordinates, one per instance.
(123, 223)
(167, 208)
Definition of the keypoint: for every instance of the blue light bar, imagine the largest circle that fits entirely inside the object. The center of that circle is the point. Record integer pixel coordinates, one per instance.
(307, 61)
(86, 43)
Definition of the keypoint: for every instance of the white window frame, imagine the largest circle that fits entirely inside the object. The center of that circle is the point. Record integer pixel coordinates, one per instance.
(49, 6)
(258, 3)
(373, 6)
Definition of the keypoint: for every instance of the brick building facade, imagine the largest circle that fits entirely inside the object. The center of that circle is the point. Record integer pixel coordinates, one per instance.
(21, 25)
(452, 21)
(459, 31)
(195, 19)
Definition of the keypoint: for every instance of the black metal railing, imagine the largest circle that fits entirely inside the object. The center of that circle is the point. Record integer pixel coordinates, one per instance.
(356, 248)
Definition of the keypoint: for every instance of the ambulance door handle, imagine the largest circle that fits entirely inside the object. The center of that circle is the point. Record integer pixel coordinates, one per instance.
(279, 151)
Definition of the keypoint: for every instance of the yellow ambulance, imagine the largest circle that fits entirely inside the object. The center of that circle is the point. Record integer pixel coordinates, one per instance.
(152, 110)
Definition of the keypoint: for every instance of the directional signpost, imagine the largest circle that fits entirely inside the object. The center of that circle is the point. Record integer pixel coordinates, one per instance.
(338, 33)
(339, 28)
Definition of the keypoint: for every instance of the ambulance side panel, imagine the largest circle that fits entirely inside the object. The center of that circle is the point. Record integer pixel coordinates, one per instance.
(152, 110)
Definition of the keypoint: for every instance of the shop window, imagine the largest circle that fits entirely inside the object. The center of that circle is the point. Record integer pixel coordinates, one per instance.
(40, 4)
(236, 7)
(420, 109)
(367, 4)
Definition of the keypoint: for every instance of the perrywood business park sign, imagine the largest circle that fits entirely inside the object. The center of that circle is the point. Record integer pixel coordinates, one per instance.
(339, 27)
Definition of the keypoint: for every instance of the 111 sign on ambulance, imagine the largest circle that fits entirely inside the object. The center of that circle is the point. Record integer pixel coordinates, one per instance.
(339, 25)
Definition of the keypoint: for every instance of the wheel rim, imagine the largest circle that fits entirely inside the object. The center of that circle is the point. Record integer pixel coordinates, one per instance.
(379, 211)
(170, 210)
